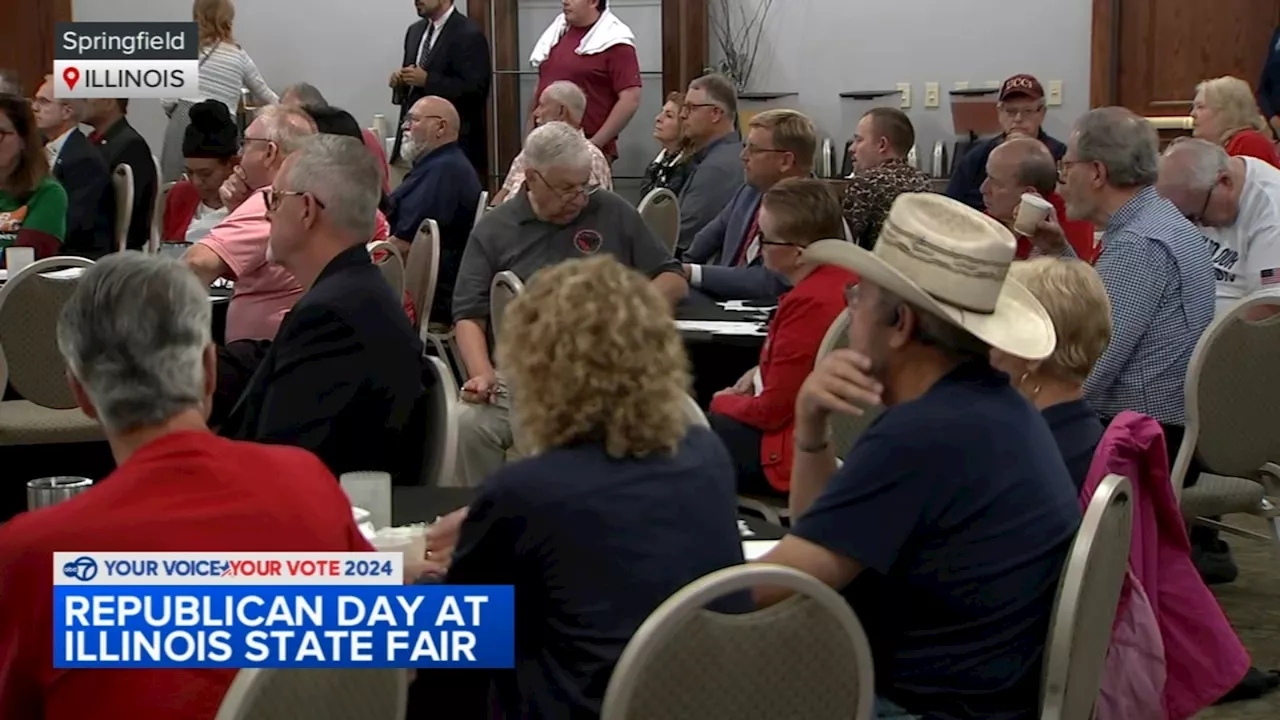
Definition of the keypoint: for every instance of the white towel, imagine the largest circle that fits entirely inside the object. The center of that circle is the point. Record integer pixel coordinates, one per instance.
(607, 32)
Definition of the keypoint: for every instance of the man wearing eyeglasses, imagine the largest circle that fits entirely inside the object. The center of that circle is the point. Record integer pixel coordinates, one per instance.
(81, 170)
(1236, 202)
(709, 117)
(1021, 108)
(236, 248)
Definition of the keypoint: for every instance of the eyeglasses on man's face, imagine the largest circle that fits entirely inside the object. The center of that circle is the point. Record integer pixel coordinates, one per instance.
(567, 192)
(1021, 111)
(275, 197)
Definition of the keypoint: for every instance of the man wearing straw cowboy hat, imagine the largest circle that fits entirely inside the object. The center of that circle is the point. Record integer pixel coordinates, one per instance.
(947, 526)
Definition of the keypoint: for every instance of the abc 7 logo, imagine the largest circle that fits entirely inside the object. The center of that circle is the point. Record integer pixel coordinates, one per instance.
(83, 569)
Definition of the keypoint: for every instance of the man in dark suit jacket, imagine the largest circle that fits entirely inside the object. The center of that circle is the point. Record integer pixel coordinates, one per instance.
(446, 55)
(82, 172)
(120, 144)
(724, 260)
(343, 377)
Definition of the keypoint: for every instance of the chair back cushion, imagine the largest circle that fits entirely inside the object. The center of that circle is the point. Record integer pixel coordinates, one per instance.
(387, 257)
(278, 694)
(122, 186)
(845, 429)
(422, 268)
(661, 213)
(30, 304)
(439, 453)
(504, 288)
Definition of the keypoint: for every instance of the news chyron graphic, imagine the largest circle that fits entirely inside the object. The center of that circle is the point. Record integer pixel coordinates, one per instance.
(271, 610)
(125, 60)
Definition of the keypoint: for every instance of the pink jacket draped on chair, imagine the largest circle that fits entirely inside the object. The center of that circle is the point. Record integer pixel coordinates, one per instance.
(1203, 656)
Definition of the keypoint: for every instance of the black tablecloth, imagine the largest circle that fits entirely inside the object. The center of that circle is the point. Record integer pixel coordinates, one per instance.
(717, 360)
(425, 504)
(221, 299)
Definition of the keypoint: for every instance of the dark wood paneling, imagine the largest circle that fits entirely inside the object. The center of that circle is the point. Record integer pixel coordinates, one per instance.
(684, 43)
(1164, 47)
(506, 86)
(481, 12)
(26, 38)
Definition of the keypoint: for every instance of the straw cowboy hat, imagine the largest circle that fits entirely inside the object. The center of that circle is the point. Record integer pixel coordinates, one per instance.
(946, 258)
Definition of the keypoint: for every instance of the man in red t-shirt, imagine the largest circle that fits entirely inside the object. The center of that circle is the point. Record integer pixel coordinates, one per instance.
(1024, 165)
(148, 378)
(590, 47)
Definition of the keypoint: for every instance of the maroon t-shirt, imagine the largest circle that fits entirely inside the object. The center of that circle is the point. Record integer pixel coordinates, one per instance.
(601, 76)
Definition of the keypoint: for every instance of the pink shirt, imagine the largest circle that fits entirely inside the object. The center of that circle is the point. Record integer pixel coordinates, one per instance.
(264, 292)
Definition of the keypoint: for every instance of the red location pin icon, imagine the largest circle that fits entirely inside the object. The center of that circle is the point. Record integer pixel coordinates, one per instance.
(71, 75)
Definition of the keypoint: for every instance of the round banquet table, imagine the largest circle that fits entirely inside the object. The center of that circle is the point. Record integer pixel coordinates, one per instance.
(718, 359)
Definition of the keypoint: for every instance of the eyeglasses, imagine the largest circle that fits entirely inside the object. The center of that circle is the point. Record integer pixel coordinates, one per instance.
(6, 133)
(1018, 112)
(851, 296)
(776, 243)
(756, 150)
(571, 192)
(274, 197)
(1198, 218)
(248, 140)
(689, 107)
(422, 118)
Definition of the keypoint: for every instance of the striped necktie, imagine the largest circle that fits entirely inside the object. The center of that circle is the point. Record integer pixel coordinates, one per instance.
(426, 45)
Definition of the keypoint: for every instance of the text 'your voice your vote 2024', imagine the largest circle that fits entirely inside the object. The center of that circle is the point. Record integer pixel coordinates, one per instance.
(292, 610)
(125, 60)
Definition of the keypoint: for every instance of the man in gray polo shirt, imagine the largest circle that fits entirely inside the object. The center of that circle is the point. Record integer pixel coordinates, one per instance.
(557, 216)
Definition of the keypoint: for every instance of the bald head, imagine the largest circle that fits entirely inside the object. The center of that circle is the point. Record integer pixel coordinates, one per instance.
(432, 122)
(1018, 165)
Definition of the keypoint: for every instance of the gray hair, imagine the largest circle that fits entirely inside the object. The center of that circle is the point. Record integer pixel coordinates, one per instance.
(287, 127)
(306, 94)
(1202, 162)
(340, 172)
(720, 91)
(134, 334)
(556, 144)
(1124, 143)
(954, 342)
(570, 96)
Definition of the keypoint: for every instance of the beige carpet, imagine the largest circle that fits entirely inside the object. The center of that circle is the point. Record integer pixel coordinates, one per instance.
(1252, 603)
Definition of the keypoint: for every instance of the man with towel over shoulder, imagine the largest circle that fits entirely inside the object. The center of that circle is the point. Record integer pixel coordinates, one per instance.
(589, 46)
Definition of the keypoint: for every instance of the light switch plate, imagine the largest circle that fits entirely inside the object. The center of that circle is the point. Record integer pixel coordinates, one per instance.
(1054, 94)
(992, 83)
(931, 92)
(962, 84)
(905, 89)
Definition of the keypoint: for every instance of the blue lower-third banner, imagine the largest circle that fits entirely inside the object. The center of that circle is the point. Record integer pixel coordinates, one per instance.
(293, 626)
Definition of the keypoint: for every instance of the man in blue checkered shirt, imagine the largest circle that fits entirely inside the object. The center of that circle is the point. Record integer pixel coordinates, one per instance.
(1154, 263)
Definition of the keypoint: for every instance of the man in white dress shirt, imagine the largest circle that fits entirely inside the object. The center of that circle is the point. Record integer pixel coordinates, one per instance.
(81, 170)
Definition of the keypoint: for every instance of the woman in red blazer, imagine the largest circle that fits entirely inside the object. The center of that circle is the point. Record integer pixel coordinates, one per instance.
(755, 417)
(1226, 112)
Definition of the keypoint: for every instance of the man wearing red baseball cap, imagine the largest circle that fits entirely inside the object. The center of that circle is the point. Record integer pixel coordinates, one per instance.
(1021, 109)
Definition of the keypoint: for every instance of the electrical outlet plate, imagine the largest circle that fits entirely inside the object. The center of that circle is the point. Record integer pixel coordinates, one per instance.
(962, 84)
(992, 83)
(905, 89)
(1053, 94)
(931, 93)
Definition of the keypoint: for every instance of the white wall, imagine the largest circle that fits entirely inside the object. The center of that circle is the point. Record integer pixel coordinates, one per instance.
(346, 48)
(820, 48)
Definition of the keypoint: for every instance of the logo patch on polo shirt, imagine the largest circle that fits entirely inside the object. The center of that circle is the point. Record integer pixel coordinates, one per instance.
(587, 241)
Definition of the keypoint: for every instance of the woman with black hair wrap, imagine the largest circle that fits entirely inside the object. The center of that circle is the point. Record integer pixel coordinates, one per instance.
(210, 151)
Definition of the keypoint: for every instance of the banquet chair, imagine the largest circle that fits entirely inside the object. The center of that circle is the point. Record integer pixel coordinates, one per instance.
(482, 207)
(1232, 393)
(332, 694)
(845, 429)
(390, 263)
(805, 657)
(1084, 610)
(122, 187)
(440, 453)
(693, 413)
(505, 287)
(422, 274)
(157, 218)
(661, 212)
(30, 303)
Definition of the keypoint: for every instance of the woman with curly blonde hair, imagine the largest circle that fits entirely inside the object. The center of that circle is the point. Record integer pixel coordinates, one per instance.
(1226, 112)
(620, 503)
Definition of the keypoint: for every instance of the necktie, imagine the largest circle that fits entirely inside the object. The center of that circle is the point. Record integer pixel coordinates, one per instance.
(750, 244)
(426, 45)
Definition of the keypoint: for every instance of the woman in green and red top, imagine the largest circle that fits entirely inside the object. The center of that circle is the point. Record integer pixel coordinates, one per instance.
(755, 418)
(33, 206)
(1226, 112)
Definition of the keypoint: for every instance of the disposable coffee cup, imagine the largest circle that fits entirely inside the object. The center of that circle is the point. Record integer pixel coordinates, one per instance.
(45, 492)
(371, 491)
(1031, 212)
(17, 258)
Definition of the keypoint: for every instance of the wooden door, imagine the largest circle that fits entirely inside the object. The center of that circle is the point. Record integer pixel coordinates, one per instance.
(1148, 55)
(26, 39)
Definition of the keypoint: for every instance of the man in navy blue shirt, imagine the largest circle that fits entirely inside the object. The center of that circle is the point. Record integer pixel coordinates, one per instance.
(948, 525)
(442, 186)
(1021, 107)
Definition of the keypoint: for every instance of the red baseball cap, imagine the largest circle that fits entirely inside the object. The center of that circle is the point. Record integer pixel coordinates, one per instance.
(1022, 84)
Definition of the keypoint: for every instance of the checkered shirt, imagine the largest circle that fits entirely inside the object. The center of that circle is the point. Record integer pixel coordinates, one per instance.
(1159, 276)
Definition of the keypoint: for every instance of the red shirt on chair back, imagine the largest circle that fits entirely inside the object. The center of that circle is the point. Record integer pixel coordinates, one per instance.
(184, 492)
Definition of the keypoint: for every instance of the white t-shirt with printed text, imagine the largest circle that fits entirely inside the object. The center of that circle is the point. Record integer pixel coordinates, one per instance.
(1246, 255)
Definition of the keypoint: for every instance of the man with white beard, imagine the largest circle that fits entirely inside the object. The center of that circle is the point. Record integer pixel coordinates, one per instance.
(442, 185)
